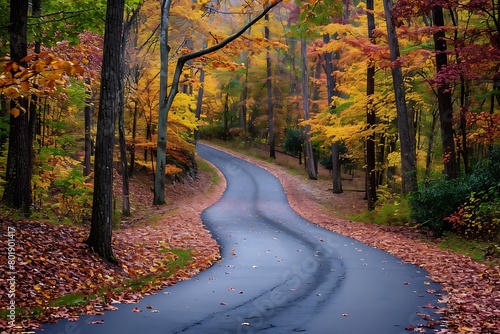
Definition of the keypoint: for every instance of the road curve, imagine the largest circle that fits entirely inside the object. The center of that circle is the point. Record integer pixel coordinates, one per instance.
(279, 274)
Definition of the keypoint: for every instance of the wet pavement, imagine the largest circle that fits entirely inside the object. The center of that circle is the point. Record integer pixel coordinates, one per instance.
(279, 274)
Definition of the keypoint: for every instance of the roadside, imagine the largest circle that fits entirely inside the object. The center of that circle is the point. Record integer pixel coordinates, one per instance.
(57, 277)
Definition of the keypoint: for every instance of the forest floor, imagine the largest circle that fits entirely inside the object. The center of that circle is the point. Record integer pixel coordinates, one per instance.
(57, 277)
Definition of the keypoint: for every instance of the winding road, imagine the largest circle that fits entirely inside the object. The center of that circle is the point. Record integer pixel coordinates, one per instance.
(279, 274)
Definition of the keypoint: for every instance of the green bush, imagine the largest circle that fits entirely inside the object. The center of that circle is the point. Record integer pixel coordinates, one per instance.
(469, 203)
(293, 141)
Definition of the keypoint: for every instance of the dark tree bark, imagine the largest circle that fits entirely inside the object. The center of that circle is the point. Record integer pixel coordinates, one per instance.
(371, 180)
(199, 103)
(17, 192)
(309, 154)
(99, 239)
(270, 105)
(134, 135)
(88, 114)
(451, 169)
(405, 117)
(336, 169)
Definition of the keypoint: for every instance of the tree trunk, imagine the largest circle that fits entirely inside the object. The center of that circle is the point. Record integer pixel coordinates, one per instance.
(309, 154)
(161, 150)
(17, 191)
(430, 147)
(199, 103)
(405, 118)
(123, 158)
(330, 80)
(444, 100)
(134, 134)
(99, 239)
(336, 169)
(371, 180)
(87, 111)
(226, 111)
(270, 106)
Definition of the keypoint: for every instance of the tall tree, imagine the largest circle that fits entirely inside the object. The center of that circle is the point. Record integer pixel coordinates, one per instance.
(371, 181)
(17, 192)
(405, 116)
(167, 100)
(311, 168)
(99, 239)
(270, 105)
(161, 149)
(445, 103)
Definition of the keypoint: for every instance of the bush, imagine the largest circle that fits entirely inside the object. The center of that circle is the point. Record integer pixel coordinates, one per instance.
(467, 205)
(479, 216)
(293, 141)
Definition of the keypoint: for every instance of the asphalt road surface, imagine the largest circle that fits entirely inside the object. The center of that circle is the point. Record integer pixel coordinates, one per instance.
(279, 274)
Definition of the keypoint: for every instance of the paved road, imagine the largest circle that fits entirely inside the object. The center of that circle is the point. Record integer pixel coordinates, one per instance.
(278, 274)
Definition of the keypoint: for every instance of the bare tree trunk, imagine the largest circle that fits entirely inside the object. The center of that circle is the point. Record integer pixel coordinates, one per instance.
(336, 169)
(270, 106)
(17, 191)
(430, 147)
(311, 170)
(405, 118)
(99, 239)
(134, 134)
(199, 103)
(161, 150)
(88, 124)
(371, 180)
(123, 160)
(444, 100)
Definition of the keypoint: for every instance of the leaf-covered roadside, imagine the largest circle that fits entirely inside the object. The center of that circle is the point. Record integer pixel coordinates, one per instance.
(472, 288)
(52, 261)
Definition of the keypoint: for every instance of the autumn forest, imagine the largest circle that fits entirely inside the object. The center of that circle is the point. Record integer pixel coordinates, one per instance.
(96, 95)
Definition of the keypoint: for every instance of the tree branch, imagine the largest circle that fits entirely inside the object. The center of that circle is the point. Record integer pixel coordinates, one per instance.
(184, 58)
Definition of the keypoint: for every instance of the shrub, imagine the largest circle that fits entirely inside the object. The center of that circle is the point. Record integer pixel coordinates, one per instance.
(430, 205)
(478, 216)
(467, 205)
(293, 141)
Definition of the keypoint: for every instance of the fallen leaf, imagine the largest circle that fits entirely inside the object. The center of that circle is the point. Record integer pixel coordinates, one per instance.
(429, 305)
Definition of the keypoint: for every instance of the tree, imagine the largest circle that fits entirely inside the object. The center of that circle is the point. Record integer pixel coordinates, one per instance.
(444, 99)
(99, 239)
(405, 116)
(17, 191)
(161, 149)
(311, 169)
(167, 100)
(270, 105)
(371, 181)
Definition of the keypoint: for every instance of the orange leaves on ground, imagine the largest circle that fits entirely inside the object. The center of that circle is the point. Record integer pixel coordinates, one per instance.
(52, 261)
